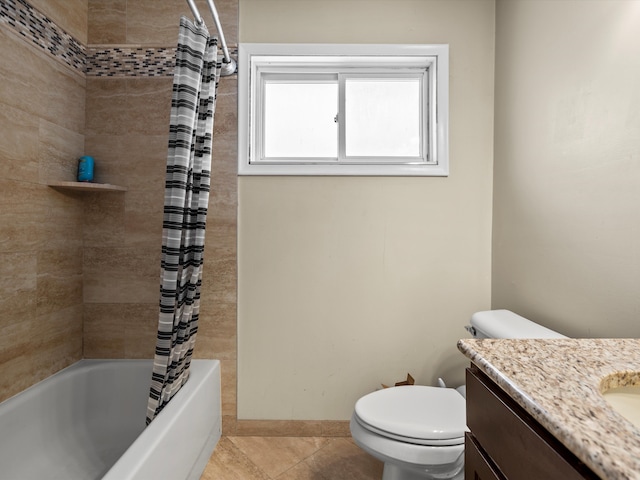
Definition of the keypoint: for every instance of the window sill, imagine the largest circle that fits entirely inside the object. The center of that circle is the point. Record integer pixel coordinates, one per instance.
(402, 170)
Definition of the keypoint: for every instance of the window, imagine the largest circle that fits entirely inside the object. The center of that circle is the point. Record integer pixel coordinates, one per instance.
(343, 109)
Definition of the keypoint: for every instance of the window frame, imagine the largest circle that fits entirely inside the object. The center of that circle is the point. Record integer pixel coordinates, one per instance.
(260, 62)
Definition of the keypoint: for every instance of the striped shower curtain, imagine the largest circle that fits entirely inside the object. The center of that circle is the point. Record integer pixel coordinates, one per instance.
(186, 198)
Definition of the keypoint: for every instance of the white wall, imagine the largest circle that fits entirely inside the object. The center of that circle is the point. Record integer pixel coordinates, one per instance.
(566, 233)
(348, 282)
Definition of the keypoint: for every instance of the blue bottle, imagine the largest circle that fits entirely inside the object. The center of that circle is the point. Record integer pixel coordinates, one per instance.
(85, 169)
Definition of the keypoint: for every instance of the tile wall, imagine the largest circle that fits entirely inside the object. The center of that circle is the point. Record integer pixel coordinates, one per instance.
(79, 272)
(42, 122)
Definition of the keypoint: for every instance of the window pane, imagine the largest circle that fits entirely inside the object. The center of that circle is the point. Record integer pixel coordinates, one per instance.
(299, 120)
(383, 117)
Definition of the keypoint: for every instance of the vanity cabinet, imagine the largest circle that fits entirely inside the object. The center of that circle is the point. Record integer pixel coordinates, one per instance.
(506, 443)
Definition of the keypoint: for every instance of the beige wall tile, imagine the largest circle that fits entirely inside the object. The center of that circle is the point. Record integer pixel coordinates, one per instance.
(18, 283)
(128, 106)
(104, 326)
(59, 281)
(107, 22)
(63, 212)
(226, 115)
(121, 275)
(57, 293)
(41, 86)
(62, 99)
(140, 330)
(21, 215)
(20, 86)
(219, 275)
(104, 219)
(228, 12)
(60, 262)
(106, 105)
(59, 151)
(223, 199)
(70, 15)
(229, 424)
(144, 216)
(137, 162)
(217, 331)
(229, 379)
(217, 338)
(42, 120)
(148, 105)
(19, 150)
(59, 340)
(17, 360)
(120, 330)
(53, 342)
(161, 28)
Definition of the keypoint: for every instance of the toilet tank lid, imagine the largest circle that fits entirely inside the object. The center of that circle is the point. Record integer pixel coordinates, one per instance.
(507, 324)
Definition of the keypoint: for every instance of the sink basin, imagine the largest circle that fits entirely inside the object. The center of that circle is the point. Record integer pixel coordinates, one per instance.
(622, 392)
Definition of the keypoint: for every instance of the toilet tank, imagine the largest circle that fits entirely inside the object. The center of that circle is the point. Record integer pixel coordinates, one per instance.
(506, 324)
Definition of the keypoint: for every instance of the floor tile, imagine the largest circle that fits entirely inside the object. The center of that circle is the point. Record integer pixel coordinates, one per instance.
(229, 463)
(275, 455)
(343, 459)
(290, 458)
(301, 471)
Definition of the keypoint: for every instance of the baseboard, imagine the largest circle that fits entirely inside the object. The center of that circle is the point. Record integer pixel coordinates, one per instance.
(285, 428)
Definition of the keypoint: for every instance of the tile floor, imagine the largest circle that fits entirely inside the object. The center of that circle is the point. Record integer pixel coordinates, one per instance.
(290, 458)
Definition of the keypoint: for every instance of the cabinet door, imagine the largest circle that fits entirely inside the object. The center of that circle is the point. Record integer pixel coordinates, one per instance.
(477, 466)
(520, 447)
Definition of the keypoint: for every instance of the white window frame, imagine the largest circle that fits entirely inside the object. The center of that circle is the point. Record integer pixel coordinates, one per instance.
(259, 62)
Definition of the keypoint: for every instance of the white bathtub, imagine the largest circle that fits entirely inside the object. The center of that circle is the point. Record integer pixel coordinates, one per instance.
(87, 422)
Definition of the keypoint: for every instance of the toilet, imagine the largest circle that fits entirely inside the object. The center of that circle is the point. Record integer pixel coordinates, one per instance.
(418, 431)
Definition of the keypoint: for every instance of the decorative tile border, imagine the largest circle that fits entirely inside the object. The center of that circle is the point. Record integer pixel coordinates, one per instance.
(103, 61)
(130, 62)
(134, 61)
(26, 21)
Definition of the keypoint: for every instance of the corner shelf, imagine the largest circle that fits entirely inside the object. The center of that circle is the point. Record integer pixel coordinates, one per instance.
(88, 186)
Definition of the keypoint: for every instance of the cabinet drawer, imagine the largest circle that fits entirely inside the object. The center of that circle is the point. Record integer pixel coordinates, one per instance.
(513, 439)
(476, 465)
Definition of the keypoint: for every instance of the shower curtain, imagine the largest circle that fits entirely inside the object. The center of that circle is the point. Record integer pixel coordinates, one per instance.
(186, 197)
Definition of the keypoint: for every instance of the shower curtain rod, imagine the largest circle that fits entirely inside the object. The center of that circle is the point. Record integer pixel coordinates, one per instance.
(228, 64)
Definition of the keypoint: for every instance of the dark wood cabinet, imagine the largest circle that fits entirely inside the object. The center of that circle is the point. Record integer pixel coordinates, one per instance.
(506, 443)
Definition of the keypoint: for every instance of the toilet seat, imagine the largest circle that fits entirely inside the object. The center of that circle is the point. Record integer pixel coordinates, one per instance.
(414, 414)
(409, 455)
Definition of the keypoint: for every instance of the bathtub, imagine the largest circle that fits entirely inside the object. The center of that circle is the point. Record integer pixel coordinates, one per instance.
(87, 422)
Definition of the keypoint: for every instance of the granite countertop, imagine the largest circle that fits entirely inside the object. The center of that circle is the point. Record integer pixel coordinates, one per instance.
(558, 382)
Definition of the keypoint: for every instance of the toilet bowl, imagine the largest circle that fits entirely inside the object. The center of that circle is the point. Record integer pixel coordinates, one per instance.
(418, 431)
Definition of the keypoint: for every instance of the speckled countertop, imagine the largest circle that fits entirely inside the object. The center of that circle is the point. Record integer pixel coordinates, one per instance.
(558, 382)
